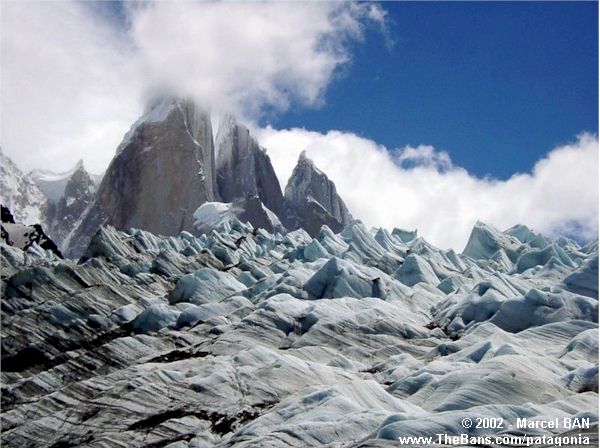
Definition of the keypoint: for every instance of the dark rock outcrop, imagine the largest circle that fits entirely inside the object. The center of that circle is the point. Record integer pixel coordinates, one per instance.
(6, 215)
(78, 195)
(243, 168)
(312, 200)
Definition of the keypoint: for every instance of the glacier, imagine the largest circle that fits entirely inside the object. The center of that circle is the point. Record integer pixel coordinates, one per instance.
(241, 337)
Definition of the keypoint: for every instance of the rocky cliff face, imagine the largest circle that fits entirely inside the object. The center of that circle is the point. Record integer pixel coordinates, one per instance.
(312, 200)
(78, 194)
(53, 184)
(20, 194)
(162, 172)
(250, 190)
(166, 168)
(243, 168)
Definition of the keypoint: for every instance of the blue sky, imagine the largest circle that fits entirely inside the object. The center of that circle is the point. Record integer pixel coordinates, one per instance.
(496, 85)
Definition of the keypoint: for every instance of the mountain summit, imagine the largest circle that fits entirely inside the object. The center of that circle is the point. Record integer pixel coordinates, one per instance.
(53, 184)
(312, 200)
(78, 193)
(169, 175)
(244, 168)
(162, 172)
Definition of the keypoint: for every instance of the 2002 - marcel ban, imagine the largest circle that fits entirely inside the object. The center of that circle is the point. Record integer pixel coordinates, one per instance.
(525, 423)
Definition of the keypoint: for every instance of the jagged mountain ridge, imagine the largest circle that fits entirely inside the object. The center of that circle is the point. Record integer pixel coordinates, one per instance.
(53, 184)
(167, 177)
(163, 171)
(312, 200)
(245, 338)
(54, 201)
(166, 168)
(78, 194)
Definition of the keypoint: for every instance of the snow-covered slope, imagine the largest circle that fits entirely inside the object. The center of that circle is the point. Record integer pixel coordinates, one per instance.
(245, 338)
(52, 184)
(20, 194)
(212, 215)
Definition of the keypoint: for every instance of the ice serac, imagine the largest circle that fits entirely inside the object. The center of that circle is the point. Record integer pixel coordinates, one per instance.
(77, 195)
(312, 200)
(243, 168)
(415, 270)
(485, 241)
(20, 194)
(584, 280)
(162, 172)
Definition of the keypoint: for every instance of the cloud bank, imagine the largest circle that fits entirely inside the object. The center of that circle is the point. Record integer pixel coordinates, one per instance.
(245, 56)
(73, 81)
(68, 86)
(420, 188)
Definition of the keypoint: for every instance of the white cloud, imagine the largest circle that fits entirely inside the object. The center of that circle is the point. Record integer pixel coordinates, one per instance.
(422, 155)
(443, 201)
(245, 56)
(73, 81)
(68, 87)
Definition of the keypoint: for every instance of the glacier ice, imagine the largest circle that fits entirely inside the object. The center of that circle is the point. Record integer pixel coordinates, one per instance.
(585, 279)
(205, 285)
(245, 337)
(485, 241)
(415, 270)
(154, 318)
